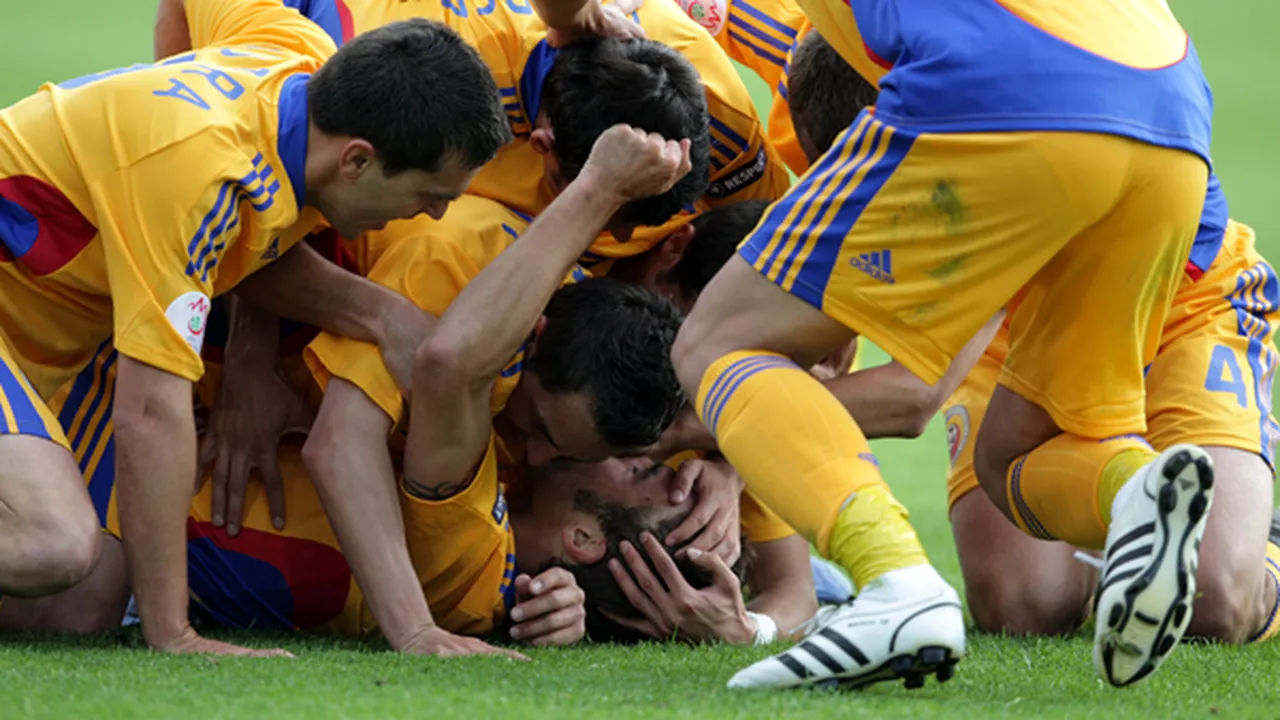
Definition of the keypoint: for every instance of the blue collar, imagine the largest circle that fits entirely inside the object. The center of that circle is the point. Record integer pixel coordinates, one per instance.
(291, 133)
(535, 74)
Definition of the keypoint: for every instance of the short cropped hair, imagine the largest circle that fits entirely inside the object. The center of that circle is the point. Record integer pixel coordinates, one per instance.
(416, 92)
(612, 341)
(824, 92)
(596, 84)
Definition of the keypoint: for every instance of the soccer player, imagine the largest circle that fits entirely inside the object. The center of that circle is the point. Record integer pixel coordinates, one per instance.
(504, 374)
(1209, 385)
(132, 196)
(975, 185)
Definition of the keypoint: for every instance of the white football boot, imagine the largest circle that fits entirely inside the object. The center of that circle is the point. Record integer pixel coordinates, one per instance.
(1148, 581)
(905, 624)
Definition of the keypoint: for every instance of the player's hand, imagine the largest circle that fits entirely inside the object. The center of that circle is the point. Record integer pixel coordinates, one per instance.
(686, 432)
(434, 641)
(402, 331)
(715, 518)
(598, 20)
(631, 164)
(189, 642)
(549, 609)
(672, 604)
(838, 363)
(255, 408)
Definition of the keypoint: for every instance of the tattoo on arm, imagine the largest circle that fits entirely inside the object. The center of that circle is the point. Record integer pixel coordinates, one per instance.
(441, 491)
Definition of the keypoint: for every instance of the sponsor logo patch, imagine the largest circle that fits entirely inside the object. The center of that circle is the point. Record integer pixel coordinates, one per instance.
(878, 264)
(740, 178)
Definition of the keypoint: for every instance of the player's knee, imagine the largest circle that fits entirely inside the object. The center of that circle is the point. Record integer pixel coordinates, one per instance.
(1227, 603)
(1017, 606)
(54, 557)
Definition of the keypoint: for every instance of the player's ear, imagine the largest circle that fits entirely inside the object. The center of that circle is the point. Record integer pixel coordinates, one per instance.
(356, 158)
(585, 544)
(543, 139)
(674, 246)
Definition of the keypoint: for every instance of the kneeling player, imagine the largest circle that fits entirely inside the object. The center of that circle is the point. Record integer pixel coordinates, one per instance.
(1209, 385)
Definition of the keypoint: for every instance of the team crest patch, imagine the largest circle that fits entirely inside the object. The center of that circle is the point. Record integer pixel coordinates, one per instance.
(710, 14)
(957, 431)
(187, 314)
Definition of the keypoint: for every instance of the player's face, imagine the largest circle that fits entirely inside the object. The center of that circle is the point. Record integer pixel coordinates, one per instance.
(369, 199)
(553, 426)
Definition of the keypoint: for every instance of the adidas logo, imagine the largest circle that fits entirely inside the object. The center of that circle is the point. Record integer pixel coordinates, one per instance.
(273, 251)
(878, 265)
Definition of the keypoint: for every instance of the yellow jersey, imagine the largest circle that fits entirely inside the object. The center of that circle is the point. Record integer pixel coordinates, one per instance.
(129, 197)
(512, 40)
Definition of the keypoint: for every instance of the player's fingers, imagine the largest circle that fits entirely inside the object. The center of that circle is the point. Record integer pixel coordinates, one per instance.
(647, 581)
(565, 617)
(686, 475)
(698, 519)
(522, 585)
(637, 597)
(721, 574)
(218, 503)
(551, 579)
(275, 492)
(547, 604)
(237, 485)
(665, 566)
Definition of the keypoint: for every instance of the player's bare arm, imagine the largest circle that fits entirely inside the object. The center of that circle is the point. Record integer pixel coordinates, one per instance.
(781, 581)
(155, 451)
(171, 35)
(568, 20)
(347, 458)
(254, 409)
(450, 422)
(890, 401)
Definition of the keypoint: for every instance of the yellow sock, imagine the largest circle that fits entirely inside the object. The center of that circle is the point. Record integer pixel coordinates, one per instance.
(1063, 489)
(804, 457)
(1271, 627)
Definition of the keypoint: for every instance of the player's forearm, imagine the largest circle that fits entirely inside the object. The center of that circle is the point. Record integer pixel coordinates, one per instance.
(352, 472)
(782, 583)
(155, 458)
(891, 401)
(305, 287)
(497, 310)
(253, 342)
(171, 34)
(562, 13)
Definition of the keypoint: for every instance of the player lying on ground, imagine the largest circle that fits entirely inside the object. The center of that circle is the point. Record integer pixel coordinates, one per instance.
(188, 176)
(1209, 385)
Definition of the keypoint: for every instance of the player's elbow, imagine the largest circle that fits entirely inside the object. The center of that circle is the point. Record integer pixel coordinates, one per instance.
(443, 360)
(917, 411)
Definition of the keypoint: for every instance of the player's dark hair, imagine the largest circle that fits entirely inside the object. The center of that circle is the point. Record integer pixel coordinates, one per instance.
(596, 84)
(716, 236)
(612, 341)
(824, 92)
(416, 92)
(602, 593)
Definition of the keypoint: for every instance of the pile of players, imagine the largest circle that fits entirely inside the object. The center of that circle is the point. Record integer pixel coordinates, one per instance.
(422, 270)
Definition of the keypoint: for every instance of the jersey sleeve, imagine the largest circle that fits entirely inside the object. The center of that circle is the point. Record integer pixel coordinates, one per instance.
(256, 22)
(781, 129)
(760, 523)
(755, 33)
(426, 265)
(464, 551)
(743, 164)
(164, 226)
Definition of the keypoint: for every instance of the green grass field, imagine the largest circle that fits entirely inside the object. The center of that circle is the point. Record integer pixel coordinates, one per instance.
(115, 676)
